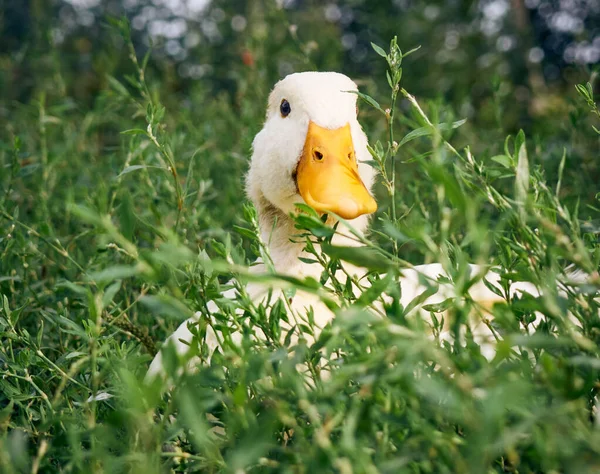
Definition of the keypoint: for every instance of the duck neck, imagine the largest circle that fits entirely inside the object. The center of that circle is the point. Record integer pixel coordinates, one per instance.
(278, 232)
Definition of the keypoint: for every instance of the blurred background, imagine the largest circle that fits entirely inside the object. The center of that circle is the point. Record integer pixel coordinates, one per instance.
(528, 50)
(504, 65)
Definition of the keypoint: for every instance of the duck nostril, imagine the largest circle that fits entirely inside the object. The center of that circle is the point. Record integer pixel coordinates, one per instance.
(351, 156)
(318, 155)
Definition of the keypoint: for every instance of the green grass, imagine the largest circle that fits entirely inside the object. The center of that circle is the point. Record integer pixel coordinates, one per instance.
(121, 218)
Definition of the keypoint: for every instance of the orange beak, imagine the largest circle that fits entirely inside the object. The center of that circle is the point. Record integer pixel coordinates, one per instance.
(327, 174)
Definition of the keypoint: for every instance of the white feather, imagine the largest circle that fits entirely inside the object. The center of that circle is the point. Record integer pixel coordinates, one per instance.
(326, 99)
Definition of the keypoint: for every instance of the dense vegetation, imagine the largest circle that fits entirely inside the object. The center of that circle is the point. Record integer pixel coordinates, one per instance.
(120, 215)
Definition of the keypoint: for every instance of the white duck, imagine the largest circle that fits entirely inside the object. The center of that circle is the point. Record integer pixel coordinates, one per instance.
(312, 150)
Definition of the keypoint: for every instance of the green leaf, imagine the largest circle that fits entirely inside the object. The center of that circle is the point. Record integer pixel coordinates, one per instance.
(110, 293)
(519, 140)
(375, 290)
(129, 169)
(313, 224)
(5, 306)
(71, 327)
(361, 256)
(6, 412)
(117, 86)
(116, 272)
(86, 214)
(127, 217)
(245, 232)
(411, 51)
(134, 131)
(419, 299)
(451, 126)
(506, 143)
(416, 133)
(372, 164)
(451, 185)
(379, 50)
(561, 169)
(494, 289)
(165, 305)
(439, 307)
(171, 254)
(427, 130)
(306, 209)
(77, 289)
(522, 176)
(195, 420)
(502, 160)
(389, 79)
(374, 153)
(369, 100)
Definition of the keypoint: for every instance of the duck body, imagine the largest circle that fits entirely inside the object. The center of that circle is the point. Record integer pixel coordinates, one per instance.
(312, 150)
(413, 282)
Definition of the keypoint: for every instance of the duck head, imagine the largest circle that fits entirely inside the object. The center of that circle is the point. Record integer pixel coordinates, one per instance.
(312, 150)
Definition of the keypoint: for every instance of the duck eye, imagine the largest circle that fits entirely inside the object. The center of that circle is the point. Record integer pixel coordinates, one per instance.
(285, 108)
